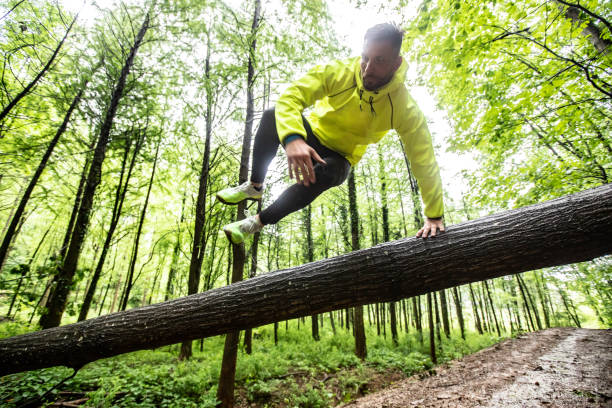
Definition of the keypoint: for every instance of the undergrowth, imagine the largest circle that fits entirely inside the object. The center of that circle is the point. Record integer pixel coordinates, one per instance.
(294, 373)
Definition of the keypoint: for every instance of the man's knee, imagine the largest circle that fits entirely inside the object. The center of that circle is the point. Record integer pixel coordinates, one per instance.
(268, 115)
(333, 173)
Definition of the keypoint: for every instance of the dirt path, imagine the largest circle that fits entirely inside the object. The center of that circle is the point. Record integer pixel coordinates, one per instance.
(561, 367)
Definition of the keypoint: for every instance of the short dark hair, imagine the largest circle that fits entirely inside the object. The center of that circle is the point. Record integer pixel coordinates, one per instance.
(386, 32)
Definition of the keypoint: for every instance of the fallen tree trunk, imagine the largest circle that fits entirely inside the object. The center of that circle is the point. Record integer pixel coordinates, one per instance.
(570, 229)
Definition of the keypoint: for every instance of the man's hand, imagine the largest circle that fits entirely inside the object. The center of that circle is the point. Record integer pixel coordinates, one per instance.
(300, 163)
(430, 228)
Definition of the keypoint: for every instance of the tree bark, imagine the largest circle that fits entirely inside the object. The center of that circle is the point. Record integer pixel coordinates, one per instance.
(432, 336)
(361, 349)
(445, 320)
(570, 229)
(459, 309)
(57, 304)
(225, 390)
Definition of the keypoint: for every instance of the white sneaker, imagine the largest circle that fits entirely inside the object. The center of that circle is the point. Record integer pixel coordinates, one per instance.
(238, 231)
(235, 195)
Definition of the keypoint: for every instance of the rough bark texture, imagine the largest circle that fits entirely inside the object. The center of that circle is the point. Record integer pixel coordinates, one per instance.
(570, 229)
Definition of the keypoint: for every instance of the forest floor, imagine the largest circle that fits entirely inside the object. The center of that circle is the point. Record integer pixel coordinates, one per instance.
(560, 367)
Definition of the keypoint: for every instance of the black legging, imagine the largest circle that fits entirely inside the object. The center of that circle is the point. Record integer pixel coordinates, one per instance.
(297, 196)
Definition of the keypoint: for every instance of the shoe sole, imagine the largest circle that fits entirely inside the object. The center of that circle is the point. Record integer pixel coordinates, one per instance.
(236, 203)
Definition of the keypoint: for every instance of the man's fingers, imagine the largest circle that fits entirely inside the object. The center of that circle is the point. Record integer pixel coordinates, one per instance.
(290, 169)
(433, 230)
(425, 232)
(304, 173)
(316, 156)
(311, 175)
(442, 228)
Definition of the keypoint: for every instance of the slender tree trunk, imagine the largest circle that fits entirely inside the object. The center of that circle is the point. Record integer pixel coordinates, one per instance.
(477, 322)
(416, 303)
(361, 349)
(248, 333)
(120, 194)
(143, 213)
(437, 310)
(532, 304)
(525, 303)
(26, 268)
(486, 284)
(444, 307)
(175, 254)
(225, 391)
(28, 88)
(9, 235)
(541, 290)
(459, 310)
(199, 243)
(56, 306)
(432, 336)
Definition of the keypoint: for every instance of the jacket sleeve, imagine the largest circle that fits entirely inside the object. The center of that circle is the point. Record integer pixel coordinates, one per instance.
(301, 94)
(419, 150)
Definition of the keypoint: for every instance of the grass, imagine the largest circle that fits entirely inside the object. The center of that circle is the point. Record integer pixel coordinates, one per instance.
(298, 372)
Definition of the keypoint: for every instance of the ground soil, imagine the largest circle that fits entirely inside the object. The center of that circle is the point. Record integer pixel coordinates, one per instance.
(560, 367)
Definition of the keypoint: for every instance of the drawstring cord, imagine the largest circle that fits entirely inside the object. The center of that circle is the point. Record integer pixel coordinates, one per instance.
(370, 102)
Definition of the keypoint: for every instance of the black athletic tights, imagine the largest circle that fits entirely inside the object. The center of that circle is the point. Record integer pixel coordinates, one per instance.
(297, 196)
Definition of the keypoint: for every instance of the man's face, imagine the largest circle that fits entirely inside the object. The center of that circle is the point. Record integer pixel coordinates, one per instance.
(378, 64)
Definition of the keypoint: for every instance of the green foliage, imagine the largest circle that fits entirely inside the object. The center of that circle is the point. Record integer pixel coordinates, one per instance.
(155, 377)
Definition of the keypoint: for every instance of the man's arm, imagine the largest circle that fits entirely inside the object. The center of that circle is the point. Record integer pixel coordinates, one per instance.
(419, 150)
(301, 94)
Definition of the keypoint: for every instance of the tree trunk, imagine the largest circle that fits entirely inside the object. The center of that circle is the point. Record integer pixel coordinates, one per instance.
(534, 306)
(562, 231)
(361, 349)
(437, 311)
(130, 279)
(57, 304)
(120, 194)
(416, 303)
(486, 284)
(432, 337)
(307, 212)
(175, 254)
(225, 391)
(444, 307)
(525, 303)
(28, 88)
(248, 333)
(198, 246)
(10, 232)
(475, 309)
(459, 310)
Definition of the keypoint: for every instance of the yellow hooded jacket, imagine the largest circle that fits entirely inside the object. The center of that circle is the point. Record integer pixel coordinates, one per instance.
(347, 118)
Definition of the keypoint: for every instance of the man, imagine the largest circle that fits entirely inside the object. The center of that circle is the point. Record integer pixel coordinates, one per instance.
(355, 103)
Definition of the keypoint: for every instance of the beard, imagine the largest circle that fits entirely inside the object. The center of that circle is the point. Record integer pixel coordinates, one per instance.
(371, 82)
